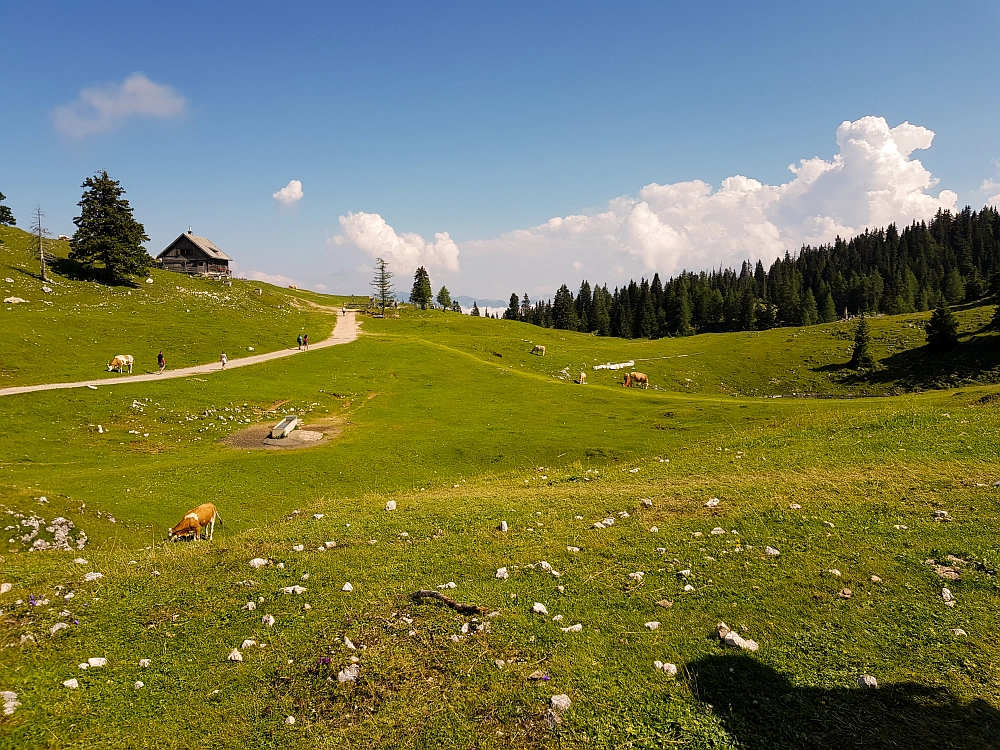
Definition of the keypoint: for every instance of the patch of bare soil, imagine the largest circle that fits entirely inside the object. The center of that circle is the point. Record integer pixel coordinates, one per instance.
(309, 435)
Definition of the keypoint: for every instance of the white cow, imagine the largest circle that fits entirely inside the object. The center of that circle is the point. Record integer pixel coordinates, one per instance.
(120, 362)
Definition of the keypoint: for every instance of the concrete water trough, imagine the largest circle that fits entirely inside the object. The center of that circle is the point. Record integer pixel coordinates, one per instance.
(284, 427)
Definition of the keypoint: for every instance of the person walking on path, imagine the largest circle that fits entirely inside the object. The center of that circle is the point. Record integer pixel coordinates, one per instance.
(161, 361)
(299, 340)
(305, 341)
(343, 311)
(224, 359)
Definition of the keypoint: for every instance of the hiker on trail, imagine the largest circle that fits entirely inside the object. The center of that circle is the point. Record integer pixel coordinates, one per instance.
(305, 341)
(343, 310)
(224, 359)
(161, 361)
(299, 340)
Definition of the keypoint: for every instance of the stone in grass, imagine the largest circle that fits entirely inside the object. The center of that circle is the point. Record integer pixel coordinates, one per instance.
(948, 597)
(867, 681)
(665, 603)
(5, 587)
(247, 643)
(845, 594)
(139, 685)
(795, 506)
(573, 549)
(647, 502)
(539, 609)
(93, 576)
(653, 625)
(637, 576)
(717, 531)
(235, 655)
(722, 630)
(72, 683)
(329, 545)
(250, 606)
(144, 662)
(449, 585)
(258, 562)
(552, 719)
(771, 551)
(735, 640)
(712, 503)
(289, 720)
(941, 515)
(689, 588)
(665, 667)
(572, 628)
(294, 590)
(348, 587)
(267, 621)
(502, 574)
(57, 627)
(876, 579)
(560, 702)
(349, 673)
(834, 572)
(97, 661)
(317, 516)
(503, 527)
(538, 676)
(957, 631)
(390, 505)
(299, 547)
(828, 524)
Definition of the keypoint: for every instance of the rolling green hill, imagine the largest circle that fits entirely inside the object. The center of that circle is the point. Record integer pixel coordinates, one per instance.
(456, 422)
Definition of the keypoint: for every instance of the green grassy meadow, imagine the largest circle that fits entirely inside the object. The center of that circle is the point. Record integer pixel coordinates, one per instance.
(454, 420)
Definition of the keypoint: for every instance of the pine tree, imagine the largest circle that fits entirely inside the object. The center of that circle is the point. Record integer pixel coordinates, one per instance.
(525, 308)
(382, 283)
(942, 329)
(475, 309)
(810, 311)
(827, 311)
(421, 294)
(861, 358)
(564, 310)
(107, 234)
(444, 298)
(601, 322)
(6, 217)
(455, 306)
(513, 311)
(954, 289)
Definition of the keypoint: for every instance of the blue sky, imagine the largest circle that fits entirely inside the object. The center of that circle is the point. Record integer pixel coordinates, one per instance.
(487, 121)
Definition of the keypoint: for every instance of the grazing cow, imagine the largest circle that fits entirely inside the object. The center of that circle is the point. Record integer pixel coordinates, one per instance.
(638, 378)
(121, 362)
(583, 378)
(202, 517)
(539, 350)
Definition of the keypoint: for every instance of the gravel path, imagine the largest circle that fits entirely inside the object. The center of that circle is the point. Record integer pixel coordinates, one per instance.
(344, 332)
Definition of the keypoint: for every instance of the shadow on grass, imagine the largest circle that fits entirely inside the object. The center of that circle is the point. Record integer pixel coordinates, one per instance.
(761, 710)
(76, 271)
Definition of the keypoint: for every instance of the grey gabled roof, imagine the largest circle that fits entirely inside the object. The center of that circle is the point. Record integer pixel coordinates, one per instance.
(204, 243)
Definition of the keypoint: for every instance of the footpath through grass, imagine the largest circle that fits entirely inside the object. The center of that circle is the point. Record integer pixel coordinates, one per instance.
(462, 439)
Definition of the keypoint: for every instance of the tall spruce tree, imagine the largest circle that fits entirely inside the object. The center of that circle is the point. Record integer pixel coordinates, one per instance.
(861, 357)
(475, 310)
(942, 329)
(382, 284)
(513, 311)
(421, 294)
(107, 234)
(564, 310)
(6, 216)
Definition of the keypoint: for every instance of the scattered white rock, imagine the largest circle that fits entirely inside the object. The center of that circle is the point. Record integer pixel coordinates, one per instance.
(83, 665)
(348, 587)
(502, 574)
(93, 576)
(349, 673)
(697, 534)
(139, 685)
(248, 643)
(539, 609)
(867, 681)
(876, 579)
(957, 631)
(689, 588)
(609, 521)
(947, 595)
(941, 515)
(560, 703)
(97, 661)
(557, 618)
(653, 625)
(504, 527)
(144, 662)
(258, 562)
(599, 525)
(72, 684)
(795, 506)
(57, 627)
(235, 655)
(250, 606)
(317, 516)
(771, 551)
(637, 576)
(735, 640)
(572, 628)
(329, 545)
(299, 547)
(712, 503)
(828, 524)
(449, 585)
(653, 530)
(10, 702)
(717, 530)
(647, 502)
(834, 572)
(686, 573)
(294, 590)
(281, 566)
(306, 606)
(289, 720)
(666, 667)
(267, 621)
(390, 505)
(5, 587)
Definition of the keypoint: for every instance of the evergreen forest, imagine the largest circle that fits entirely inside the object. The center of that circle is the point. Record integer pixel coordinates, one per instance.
(954, 258)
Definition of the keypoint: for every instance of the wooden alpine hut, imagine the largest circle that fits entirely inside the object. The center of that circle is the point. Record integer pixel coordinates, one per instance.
(192, 254)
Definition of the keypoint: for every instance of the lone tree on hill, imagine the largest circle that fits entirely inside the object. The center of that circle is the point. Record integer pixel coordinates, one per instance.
(513, 311)
(862, 358)
(6, 217)
(444, 298)
(421, 294)
(106, 233)
(475, 309)
(942, 329)
(382, 283)
(455, 306)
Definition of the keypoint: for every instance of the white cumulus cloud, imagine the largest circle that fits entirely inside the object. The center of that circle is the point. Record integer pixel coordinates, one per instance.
(289, 194)
(272, 278)
(870, 182)
(103, 108)
(404, 252)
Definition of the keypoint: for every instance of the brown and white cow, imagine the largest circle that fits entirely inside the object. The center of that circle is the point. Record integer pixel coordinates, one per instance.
(637, 379)
(120, 362)
(538, 349)
(202, 517)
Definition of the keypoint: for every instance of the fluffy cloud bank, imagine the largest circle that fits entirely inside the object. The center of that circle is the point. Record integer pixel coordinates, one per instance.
(404, 252)
(103, 108)
(870, 182)
(289, 194)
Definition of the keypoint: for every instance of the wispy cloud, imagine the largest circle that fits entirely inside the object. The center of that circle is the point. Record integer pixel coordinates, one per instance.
(272, 278)
(101, 109)
(289, 194)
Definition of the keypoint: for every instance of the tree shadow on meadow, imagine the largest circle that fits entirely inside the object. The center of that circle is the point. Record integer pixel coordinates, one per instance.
(762, 710)
(76, 271)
